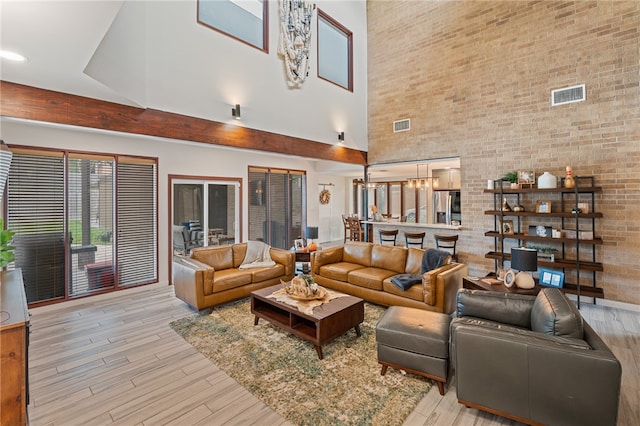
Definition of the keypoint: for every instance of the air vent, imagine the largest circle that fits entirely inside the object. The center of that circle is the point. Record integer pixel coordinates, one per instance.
(402, 125)
(568, 95)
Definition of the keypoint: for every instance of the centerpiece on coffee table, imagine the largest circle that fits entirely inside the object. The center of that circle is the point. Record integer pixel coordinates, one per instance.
(303, 287)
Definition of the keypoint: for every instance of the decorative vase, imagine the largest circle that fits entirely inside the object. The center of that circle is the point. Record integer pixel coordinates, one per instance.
(547, 180)
(505, 206)
(569, 182)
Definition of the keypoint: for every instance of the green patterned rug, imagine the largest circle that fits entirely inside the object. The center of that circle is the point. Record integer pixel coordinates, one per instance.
(345, 388)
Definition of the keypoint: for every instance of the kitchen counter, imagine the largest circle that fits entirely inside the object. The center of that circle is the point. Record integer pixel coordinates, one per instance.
(430, 230)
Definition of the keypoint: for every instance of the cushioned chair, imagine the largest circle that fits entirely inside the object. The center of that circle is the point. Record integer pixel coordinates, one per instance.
(414, 239)
(388, 236)
(447, 242)
(532, 359)
(182, 242)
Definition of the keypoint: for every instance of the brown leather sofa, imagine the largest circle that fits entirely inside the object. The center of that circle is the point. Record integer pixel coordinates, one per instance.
(532, 359)
(365, 270)
(211, 276)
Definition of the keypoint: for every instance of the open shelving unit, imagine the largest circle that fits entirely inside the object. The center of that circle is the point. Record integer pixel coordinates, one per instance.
(576, 253)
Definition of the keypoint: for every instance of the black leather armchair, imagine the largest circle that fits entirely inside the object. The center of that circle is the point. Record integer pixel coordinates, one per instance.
(532, 359)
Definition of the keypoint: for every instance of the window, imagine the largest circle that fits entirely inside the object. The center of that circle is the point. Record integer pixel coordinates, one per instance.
(335, 52)
(245, 20)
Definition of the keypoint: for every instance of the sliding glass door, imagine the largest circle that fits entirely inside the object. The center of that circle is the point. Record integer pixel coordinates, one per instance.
(277, 208)
(84, 222)
(205, 212)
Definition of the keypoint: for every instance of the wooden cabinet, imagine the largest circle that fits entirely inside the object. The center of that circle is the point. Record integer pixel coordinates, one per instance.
(447, 178)
(546, 210)
(14, 341)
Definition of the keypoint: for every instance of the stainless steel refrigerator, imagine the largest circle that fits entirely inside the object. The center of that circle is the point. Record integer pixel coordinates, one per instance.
(446, 207)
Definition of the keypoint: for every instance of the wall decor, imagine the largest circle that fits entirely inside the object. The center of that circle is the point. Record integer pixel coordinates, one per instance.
(325, 196)
(295, 38)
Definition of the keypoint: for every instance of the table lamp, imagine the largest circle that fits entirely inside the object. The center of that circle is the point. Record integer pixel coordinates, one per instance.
(312, 233)
(524, 259)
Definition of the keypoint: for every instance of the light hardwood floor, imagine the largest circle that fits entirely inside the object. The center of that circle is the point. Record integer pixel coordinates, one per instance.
(113, 360)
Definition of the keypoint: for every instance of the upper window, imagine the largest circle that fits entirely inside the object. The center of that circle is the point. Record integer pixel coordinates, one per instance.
(335, 52)
(245, 20)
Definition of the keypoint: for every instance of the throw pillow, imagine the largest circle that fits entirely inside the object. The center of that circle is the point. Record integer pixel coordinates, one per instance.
(552, 313)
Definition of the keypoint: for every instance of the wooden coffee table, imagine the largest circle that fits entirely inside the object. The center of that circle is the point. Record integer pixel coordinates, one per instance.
(327, 322)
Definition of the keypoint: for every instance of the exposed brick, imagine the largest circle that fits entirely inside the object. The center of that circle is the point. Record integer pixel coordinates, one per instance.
(476, 78)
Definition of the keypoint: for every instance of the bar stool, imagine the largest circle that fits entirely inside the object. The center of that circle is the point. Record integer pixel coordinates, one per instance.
(355, 229)
(414, 239)
(388, 236)
(347, 228)
(447, 242)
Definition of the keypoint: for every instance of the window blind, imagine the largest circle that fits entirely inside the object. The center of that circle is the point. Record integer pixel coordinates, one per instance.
(137, 239)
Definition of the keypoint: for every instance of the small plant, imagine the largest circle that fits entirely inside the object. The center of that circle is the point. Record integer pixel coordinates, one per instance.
(6, 249)
(510, 177)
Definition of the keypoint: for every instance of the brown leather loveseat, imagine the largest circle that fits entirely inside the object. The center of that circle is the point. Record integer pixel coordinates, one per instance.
(365, 270)
(212, 275)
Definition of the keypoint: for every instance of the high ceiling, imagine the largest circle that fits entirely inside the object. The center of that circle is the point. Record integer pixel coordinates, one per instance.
(60, 39)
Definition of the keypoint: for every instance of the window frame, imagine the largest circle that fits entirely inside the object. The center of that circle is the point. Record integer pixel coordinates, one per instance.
(265, 26)
(339, 28)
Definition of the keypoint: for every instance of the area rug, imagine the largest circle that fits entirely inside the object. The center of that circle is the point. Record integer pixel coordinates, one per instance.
(345, 388)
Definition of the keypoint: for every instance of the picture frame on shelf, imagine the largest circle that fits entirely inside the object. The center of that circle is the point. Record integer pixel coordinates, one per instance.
(550, 278)
(526, 177)
(541, 231)
(507, 227)
(543, 206)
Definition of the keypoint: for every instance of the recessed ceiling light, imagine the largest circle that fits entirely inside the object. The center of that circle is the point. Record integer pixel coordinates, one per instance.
(11, 56)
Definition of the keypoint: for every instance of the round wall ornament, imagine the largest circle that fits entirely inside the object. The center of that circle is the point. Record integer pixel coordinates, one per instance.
(325, 196)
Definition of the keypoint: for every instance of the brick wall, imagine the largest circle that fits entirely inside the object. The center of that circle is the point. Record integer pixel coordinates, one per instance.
(475, 79)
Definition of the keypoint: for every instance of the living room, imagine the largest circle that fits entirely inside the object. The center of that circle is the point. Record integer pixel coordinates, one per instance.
(481, 75)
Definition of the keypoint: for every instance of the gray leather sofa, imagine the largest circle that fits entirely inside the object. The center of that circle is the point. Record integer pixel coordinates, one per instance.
(532, 359)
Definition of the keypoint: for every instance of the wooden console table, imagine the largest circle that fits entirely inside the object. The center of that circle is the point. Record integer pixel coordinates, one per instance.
(14, 341)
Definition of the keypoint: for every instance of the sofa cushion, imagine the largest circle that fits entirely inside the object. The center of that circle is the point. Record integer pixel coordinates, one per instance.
(239, 253)
(369, 277)
(357, 252)
(226, 279)
(414, 260)
(389, 257)
(414, 292)
(263, 274)
(406, 281)
(338, 271)
(216, 257)
(552, 313)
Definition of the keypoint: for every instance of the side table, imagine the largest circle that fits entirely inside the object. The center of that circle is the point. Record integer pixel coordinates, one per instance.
(302, 262)
(474, 283)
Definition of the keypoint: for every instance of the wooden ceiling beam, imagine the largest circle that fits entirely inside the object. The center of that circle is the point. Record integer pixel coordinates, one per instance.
(31, 103)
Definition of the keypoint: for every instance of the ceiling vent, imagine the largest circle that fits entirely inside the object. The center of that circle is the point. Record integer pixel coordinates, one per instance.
(568, 95)
(402, 125)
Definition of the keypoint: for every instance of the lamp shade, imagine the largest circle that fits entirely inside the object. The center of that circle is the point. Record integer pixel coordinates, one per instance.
(524, 259)
(312, 232)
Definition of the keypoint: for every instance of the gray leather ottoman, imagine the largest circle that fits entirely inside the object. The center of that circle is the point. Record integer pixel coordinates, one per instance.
(415, 341)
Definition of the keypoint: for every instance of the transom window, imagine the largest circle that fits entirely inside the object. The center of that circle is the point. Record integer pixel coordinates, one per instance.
(335, 52)
(245, 20)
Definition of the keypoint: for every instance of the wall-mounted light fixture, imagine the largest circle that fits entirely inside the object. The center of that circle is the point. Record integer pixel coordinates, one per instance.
(235, 112)
(341, 136)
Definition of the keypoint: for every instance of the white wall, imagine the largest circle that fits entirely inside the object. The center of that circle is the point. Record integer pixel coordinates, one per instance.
(181, 158)
(191, 69)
